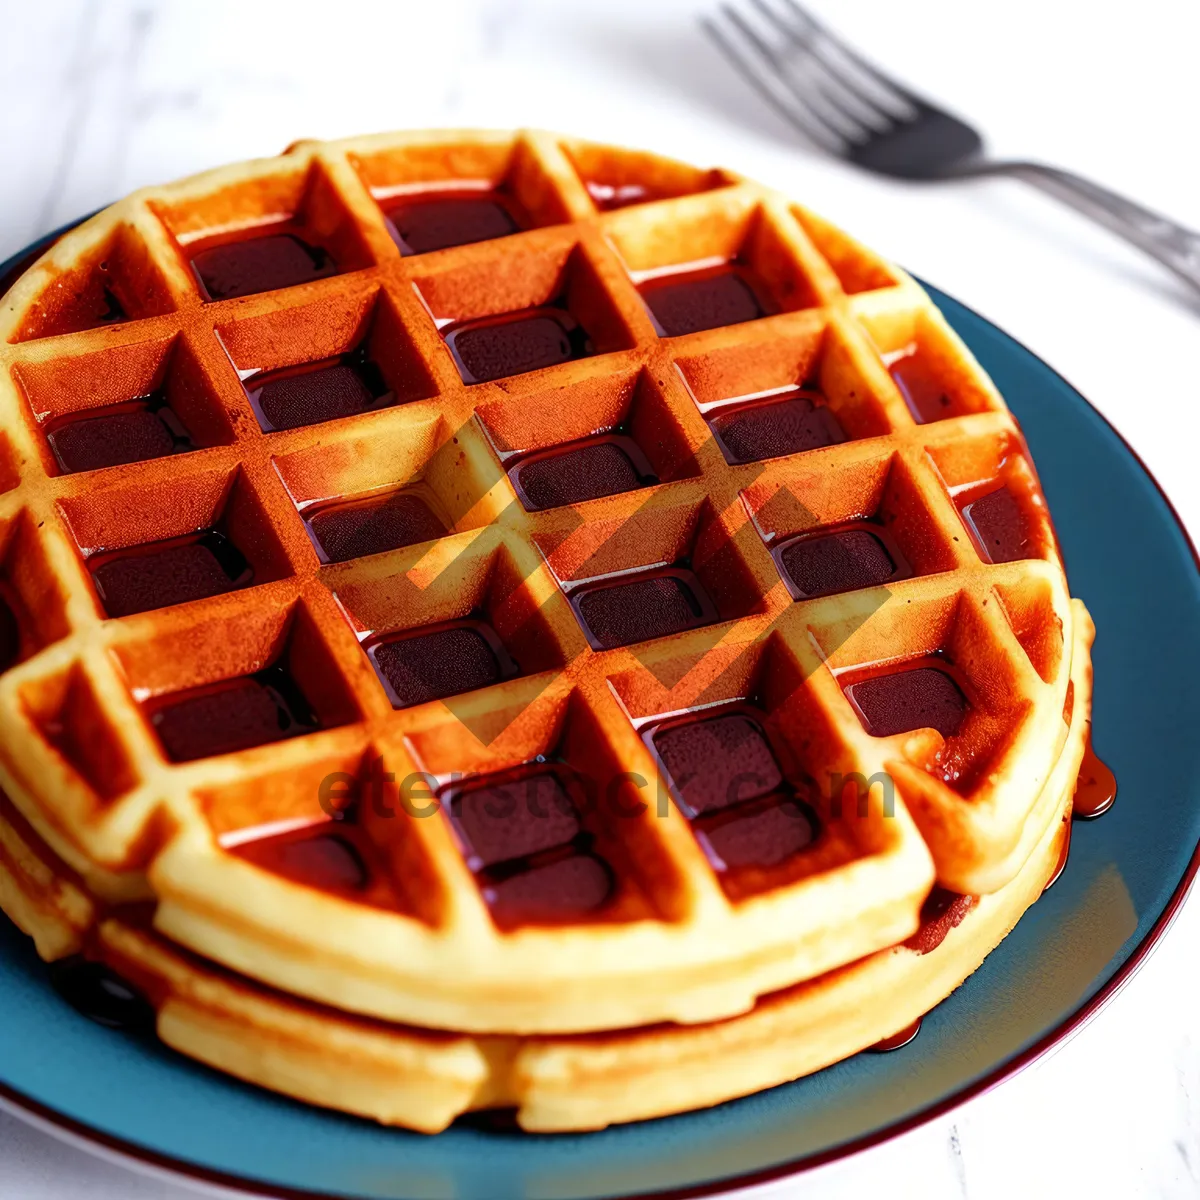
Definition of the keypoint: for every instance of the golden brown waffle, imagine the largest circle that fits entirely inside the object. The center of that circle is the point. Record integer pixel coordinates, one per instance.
(114, 311)
(421, 1079)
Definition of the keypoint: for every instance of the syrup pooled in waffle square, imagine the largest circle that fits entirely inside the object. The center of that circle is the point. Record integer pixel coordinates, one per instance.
(395, 531)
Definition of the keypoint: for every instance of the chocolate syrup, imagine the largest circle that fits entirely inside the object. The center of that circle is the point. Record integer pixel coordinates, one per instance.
(422, 222)
(313, 393)
(761, 833)
(136, 431)
(317, 856)
(917, 378)
(690, 301)
(231, 715)
(602, 465)
(173, 571)
(100, 994)
(713, 762)
(350, 529)
(522, 834)
(335, 856)
(514, 818)
(651, 604)
(998, 525)
(257, 262)
(570, 886)
(435, 662)
(789, 423)
(1095, 793)
(843, 558)
(513, 343)
(898, 1039)
(1096, 788)
(942, 911)
(918, 695)
(727, 778)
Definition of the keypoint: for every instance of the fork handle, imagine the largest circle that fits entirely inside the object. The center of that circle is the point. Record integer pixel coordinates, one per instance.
(1172, 244)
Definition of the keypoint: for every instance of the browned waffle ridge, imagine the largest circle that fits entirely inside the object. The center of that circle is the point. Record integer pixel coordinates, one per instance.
(80, 760)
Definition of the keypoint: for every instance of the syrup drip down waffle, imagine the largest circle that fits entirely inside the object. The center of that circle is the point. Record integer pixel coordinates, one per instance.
(511, 586)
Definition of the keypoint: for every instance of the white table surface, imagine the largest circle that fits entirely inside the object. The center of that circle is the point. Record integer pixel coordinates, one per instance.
(100, 97)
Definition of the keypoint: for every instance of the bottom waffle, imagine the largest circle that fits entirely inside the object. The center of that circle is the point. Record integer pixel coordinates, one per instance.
(401, 1075)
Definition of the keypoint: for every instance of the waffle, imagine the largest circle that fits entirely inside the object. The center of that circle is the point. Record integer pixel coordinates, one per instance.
(795, 513)
(423, 1079)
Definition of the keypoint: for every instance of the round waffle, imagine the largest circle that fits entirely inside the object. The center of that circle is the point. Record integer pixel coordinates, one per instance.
(424, 1079)
(610, 620)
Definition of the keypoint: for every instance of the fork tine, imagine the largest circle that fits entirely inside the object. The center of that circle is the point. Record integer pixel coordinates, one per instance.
(872, 96)
(804, 88)
(816, 35)
(838, 91)
(793, 113)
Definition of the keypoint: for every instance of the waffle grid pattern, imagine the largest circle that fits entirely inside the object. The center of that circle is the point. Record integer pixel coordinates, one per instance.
(81, 762)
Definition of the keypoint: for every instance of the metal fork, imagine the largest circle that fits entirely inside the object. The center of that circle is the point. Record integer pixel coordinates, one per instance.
(837, 99)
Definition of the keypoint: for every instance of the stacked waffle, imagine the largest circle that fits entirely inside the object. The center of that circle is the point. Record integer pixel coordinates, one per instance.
(496, 621)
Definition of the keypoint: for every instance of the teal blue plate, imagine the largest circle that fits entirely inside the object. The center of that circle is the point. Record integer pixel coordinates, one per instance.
(1126, 876)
